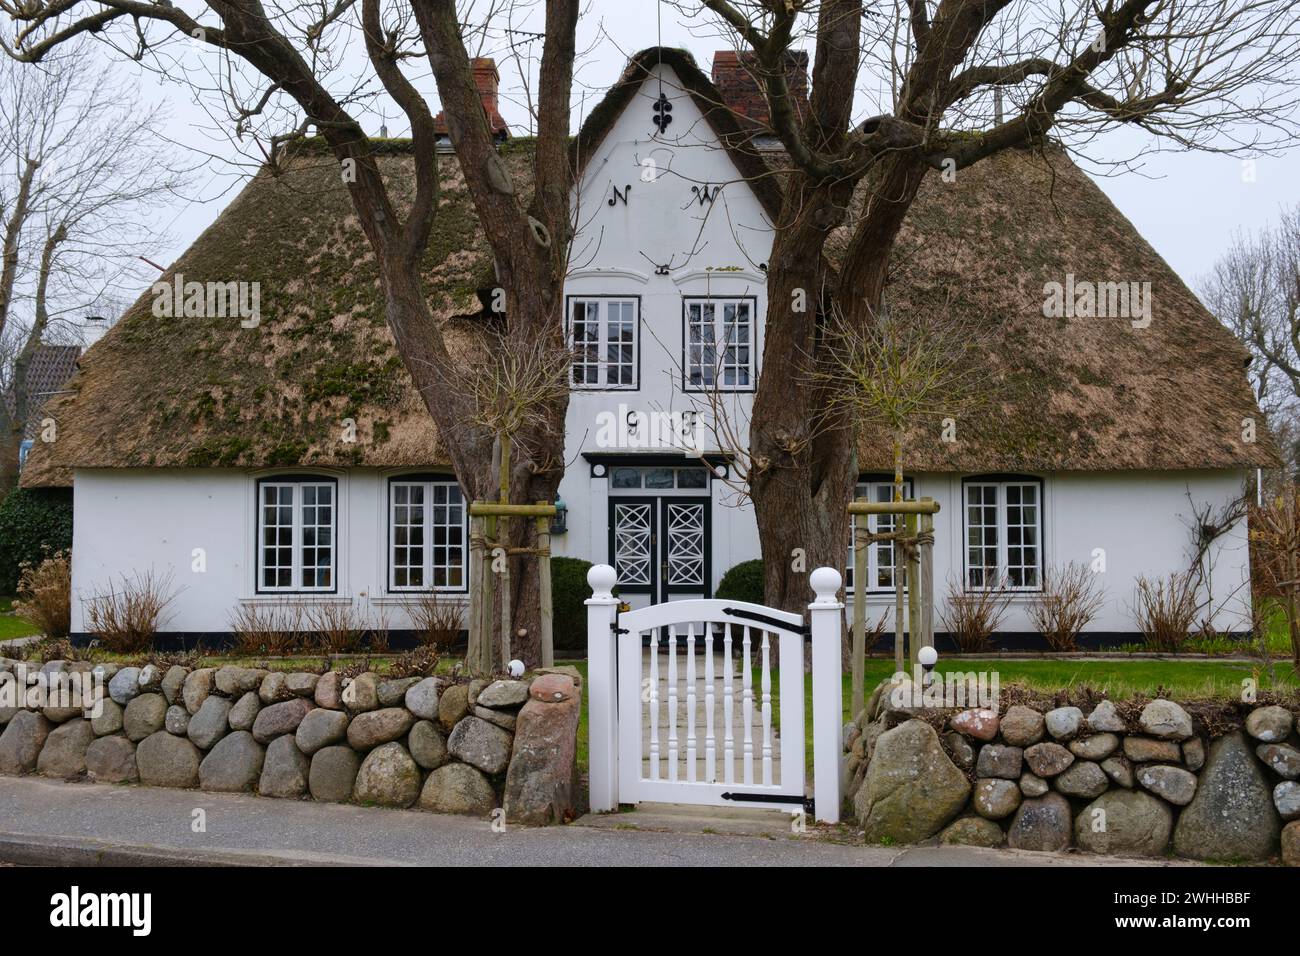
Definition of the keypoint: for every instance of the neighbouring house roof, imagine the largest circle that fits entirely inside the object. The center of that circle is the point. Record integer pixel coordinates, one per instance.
(48, 371)
(1071, 393)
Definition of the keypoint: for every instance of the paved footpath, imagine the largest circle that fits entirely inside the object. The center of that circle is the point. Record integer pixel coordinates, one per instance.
(45, 822)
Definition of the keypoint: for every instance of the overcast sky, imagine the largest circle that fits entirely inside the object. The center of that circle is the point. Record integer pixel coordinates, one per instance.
(1186, 204)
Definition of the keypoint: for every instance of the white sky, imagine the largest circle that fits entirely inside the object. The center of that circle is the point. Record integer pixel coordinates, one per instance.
(1187, 205)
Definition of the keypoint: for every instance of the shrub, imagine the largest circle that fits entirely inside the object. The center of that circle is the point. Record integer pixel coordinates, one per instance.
(436, 618)
(268, 629)
(334, 627)
(45, 595)
(1069, 601)
(972, 617)
(744, 582)
(34, 524)
(126, 619)
(1165, 610)
(569, 589)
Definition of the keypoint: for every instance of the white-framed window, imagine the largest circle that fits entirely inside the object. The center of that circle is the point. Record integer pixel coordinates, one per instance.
(605, 341)
(427, 534)
(880, 554)
(719, 344)
(296, 521)
(1004, 533)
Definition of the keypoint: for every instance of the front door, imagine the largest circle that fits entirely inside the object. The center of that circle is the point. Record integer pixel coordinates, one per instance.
(659, 546)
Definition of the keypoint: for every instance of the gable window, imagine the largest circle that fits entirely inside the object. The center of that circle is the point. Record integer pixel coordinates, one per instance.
(880, 554)
(427, 531)
(719, 344)
(603, 337)
(296, 520)
(1004, 532)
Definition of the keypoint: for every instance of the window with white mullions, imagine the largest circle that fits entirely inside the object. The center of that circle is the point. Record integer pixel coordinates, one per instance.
(296, 547)
(880, 554)
(427, 535)
(719, 343)
(604, 340)
(1004, 526)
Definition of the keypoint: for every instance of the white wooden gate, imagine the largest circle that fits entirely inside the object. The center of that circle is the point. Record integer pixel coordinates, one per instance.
(685, 708)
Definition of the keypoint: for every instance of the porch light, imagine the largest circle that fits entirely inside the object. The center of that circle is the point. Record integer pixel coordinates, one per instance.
(559, 524)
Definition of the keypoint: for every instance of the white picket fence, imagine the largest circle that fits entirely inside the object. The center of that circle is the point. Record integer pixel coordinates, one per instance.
(666, 727)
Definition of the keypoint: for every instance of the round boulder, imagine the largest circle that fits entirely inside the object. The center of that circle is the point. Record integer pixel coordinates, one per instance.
(912, 790)
(173, 683)
(165, 760)
(178, 720)
(482, 745)
(111, 760)
(1084, 779)
(996, 760)
(362, 693)
(285, 770)
(1281, 759)
(388, 778)
(124, 686)
(977, 724)
(457, 788)
(422, 699)
(21, 743)
(1095, 746)
(333, 774)
(64, 753)
(233, 765)
(1022, 726)
(1286, 795)
(320, 728)
(1166, 720)
(1269, 724)
(372, 728)
(453, 704)
(1232, 815)
(973, 831)
(1174, 784)
(210, 723)
(995, 799)
(279, 719)
(427, 745)
(1125, 823)
(1105, 718)
(145, 715)
(1048, 759)
(245, 711)
(1044, 823)
(108, 720)
(198, 685)
(1063, 723)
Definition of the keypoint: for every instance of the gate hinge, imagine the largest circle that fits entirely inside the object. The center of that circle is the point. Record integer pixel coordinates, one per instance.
(803, 629)
(806, 803)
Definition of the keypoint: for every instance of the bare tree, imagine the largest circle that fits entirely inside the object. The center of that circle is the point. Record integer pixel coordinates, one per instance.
(284, 70)
(956, 81)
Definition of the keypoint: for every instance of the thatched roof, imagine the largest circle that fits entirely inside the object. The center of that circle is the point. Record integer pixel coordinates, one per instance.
(1073, 394)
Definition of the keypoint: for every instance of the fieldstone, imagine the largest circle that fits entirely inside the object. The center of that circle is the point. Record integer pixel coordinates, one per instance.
(198, 685)
(996, 798)
(1175, 784)
(59, 715)
(173, 683)
(244, 713)
(150, 679)
(1095, 747)
(457, 788)
(1286, 795)
(301, 684)
(1166, 720)
(362, 693)
(279, 719)
(392, 693)
(502, 718)
(555, 685)
(1048, 759)
(165, 760)
(1105, 718)
(422, 699)
(233, 765)
(320, 728)
(274, 689)
(1084, 779)
(333, 773)
(1232, 815)
(124, 685)
(329, 691)
(453, 704)
(64, 753)
(237, 681)
(502, 693)
(996, 760)
(480, 744)
(111, 760)
(1149, 750)
(210, 723)
(21, 743)
(388, 778)
(177, 720)
(285, 770)
(1043, 823)
(1022, 726)
(1194, 753)
(1269, 724)
(368, 730)
(980, 724)
(973, 831)
(1291, 844)
(109, 720)
(1119, 770)
(912, 790)
(1125, 823)
(1281, 759)
(474, 688)
(145, 715)
(1032, 786)
(541, 784)
(959, 748)
(1063, 722)
(427, 745)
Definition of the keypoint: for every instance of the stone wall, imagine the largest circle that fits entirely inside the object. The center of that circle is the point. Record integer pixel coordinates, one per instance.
(1143, 778)
(433, 743)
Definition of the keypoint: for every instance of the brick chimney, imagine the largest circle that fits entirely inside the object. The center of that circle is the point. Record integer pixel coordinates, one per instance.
(735, 75)
(487, 81)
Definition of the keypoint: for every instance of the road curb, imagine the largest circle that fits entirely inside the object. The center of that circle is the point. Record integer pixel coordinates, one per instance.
(34, 850)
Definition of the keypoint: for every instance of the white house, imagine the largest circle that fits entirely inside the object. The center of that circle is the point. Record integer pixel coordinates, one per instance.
(292, 460)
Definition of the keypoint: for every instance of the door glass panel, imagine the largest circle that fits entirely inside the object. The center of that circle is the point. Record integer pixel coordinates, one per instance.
(632, 535)
(684, 544)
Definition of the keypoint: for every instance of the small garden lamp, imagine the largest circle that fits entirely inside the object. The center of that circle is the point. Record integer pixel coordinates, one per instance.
(927, 657)
(559, 524)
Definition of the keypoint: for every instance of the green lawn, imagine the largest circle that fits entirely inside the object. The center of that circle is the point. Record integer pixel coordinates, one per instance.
(11, 627)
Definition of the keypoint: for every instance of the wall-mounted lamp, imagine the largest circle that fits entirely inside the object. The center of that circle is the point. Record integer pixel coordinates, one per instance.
(560, 524)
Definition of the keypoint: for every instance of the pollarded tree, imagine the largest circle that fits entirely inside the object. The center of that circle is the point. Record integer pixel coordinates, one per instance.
(1196, 73)
(291, 63)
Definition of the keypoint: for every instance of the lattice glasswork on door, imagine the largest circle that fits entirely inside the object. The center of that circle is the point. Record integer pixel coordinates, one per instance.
(685, 552)
(633, 543)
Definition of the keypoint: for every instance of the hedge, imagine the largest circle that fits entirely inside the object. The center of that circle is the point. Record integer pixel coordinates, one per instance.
(744, 582)
(34, 522)
(569, 589)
